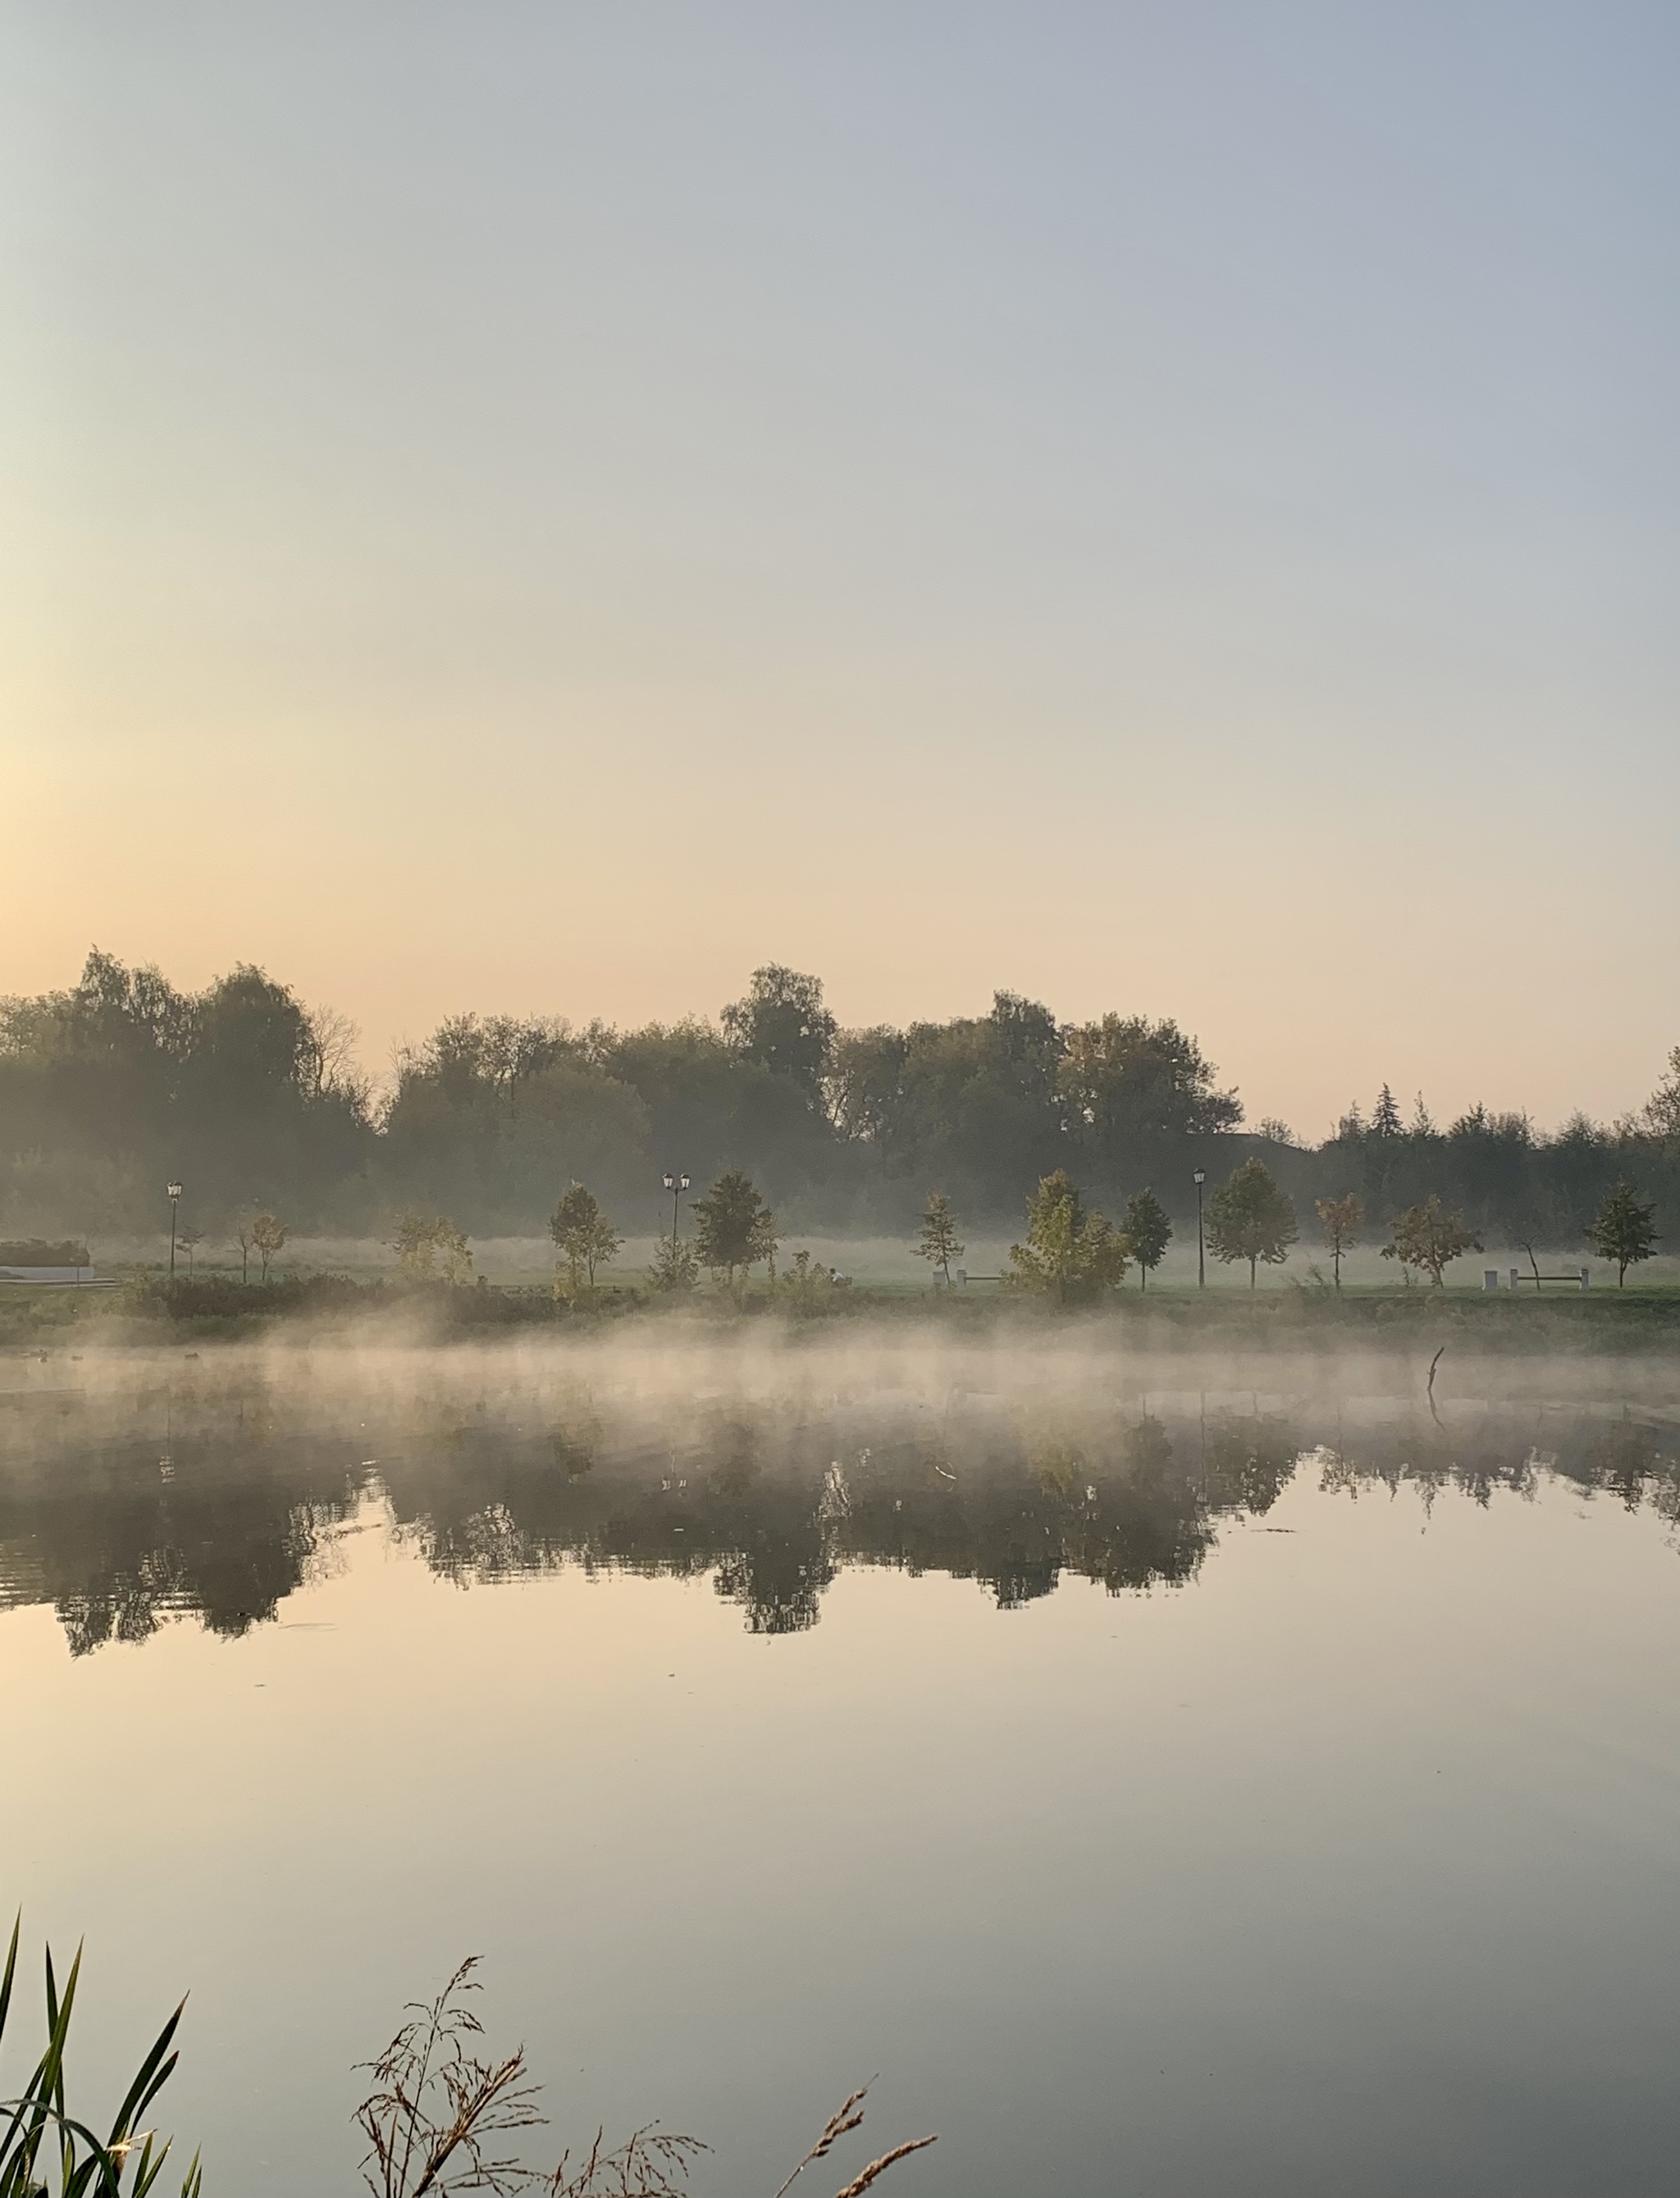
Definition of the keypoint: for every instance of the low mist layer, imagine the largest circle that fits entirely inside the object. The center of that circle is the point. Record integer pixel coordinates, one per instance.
(135, 1487)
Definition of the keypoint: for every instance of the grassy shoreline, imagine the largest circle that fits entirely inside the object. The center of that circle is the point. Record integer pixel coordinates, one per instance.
(145, 1312)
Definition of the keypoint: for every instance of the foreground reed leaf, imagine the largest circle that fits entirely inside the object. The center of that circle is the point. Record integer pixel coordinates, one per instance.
(11, 1971)
(35, 2126)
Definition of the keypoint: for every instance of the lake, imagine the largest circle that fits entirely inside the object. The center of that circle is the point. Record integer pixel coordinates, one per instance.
(1168, 1775)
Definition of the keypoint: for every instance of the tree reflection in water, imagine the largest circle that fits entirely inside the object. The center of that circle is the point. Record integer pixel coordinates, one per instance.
(227, 1518)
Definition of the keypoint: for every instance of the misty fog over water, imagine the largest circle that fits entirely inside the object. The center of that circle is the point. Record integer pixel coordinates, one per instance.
(1179, 1774)
(139, 1488)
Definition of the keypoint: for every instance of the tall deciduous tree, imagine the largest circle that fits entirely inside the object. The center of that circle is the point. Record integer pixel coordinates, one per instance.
(864, 1085)
(1624, 1229)
(1147, 1233)
(1126, 1077)
(783, 1023)
(1662, 1108)
(1069, 1253)
(734, 1229)
(1340, 1218)
(1429, 1238)
(940, 1243)
(1249, 1218)
(328, 1055)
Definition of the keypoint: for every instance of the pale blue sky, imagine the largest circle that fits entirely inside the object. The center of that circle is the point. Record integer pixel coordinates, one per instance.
(1172, 508)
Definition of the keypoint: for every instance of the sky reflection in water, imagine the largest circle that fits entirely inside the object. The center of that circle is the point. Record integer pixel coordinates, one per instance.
(1352, 1867)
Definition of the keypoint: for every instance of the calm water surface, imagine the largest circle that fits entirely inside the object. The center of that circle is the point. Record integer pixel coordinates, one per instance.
(1171, 1778)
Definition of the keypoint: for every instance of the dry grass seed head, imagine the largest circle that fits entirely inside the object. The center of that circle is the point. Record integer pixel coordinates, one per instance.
(849, 2117)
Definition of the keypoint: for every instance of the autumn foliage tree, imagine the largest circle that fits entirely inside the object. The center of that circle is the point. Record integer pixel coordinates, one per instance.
(1340, 1218)
(1429, 1238)
(1069, 1254)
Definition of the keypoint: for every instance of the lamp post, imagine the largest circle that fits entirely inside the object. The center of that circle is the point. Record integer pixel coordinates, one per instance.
(174, 1207)
(1201, 1250)
(675, 1184)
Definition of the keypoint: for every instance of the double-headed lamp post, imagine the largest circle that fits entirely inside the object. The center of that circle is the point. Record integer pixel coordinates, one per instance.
(675, 1184)
(1201, 1253)
(174, 1207)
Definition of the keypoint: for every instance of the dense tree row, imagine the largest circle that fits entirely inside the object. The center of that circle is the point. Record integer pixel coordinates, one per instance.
(108, 1089)
(111, 1087)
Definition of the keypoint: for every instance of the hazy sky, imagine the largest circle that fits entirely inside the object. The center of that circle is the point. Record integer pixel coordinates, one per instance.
(1171, 507)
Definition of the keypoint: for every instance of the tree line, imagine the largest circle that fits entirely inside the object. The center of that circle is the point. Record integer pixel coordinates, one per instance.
(255, 1102)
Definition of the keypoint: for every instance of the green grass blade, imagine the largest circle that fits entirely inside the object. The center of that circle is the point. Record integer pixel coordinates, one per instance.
(43, 2101)
(150, 2168)
(149, 2082)
(157, 2085)
(76, 2177)
(147, 2169)
(12, 2155)
(58, 2016)
(11, 1971)
(30, 2124)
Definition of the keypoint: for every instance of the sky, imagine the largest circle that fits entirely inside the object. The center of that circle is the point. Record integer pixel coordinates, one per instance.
(1169, 507)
